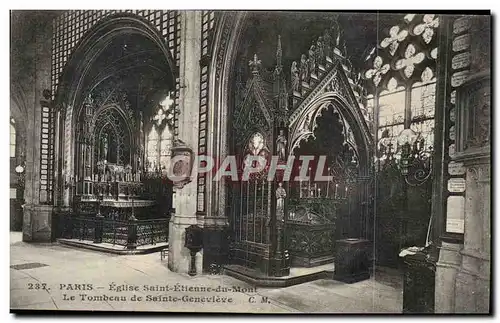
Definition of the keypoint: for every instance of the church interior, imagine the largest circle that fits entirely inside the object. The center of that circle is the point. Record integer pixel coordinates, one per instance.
(103, 101)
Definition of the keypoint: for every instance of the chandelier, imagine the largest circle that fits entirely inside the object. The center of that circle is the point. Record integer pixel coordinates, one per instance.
(410, 153)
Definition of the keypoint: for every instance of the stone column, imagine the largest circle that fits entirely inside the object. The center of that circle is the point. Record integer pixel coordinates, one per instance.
(185, 201)
(37, 217)
(472, 286)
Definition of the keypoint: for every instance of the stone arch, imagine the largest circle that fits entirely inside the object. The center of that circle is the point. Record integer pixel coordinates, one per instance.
(226, 39)
(124, 120)
(69, 95)
(353, 117)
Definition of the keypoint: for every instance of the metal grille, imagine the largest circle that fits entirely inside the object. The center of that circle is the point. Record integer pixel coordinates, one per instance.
(71, 25)
(152, 231)
(115, 232)
(46, 153)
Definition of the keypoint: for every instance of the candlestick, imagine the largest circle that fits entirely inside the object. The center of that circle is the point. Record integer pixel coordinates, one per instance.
(336, 187)
(346, 191)
(319, 192)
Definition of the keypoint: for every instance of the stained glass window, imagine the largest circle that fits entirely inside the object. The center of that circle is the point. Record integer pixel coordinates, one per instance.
(402, 81)
(165, 148)
(159, 138)
(152, 148)
(392, 109)
(423, 100)
(12, 138)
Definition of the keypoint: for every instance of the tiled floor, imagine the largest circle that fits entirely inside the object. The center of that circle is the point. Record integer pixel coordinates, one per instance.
(66, 267)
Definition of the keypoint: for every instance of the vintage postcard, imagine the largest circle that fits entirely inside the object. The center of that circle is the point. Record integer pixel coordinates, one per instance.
(250, 161)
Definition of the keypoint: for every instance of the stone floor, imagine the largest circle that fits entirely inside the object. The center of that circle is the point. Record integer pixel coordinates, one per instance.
(63, 268)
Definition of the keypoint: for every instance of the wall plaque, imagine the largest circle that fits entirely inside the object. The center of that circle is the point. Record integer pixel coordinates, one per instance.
(461, 24)
(460, 61)
(455, 214)
(461, 43)
(455, 168)
(459, 78)
(452, 115)
(451, 150)
(456, 185)
(452, 132)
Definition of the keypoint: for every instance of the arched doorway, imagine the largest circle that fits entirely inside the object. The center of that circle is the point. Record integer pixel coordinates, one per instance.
(115, 119)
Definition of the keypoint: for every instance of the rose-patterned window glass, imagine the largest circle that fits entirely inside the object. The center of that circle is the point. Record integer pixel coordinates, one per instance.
(406, 57)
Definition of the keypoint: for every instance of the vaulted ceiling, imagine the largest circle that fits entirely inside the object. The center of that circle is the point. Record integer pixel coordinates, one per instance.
(137, 66)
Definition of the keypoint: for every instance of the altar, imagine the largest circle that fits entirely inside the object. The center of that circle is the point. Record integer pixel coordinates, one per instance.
(118, 190)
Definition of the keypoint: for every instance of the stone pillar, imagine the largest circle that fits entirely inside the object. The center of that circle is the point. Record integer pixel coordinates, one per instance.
(446, 273)
(185, 199)
(472, 286)
(37, 217)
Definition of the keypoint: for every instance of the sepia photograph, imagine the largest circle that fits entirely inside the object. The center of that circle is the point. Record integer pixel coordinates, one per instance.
(250, 161)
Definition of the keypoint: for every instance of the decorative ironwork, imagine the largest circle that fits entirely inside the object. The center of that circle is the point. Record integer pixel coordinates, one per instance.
(151, 232)
(409, 153)
(114, 231)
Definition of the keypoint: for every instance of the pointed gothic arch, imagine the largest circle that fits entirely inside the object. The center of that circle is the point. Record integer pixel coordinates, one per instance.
(71, 93)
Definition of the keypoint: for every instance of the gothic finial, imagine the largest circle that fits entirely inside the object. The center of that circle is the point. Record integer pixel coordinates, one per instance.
(255, 64)
(279, 52)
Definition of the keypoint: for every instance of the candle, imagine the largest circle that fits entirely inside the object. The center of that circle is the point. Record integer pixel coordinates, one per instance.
(336, 187)
(316, 189)
(309, 183)
(300, 188)
(328, 183)
(319, 192)
(346, 191)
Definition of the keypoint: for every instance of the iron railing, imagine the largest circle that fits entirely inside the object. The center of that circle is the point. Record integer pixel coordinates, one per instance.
(130, 233)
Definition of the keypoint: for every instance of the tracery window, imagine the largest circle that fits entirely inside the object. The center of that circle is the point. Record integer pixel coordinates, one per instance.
(159, 138)
(403, 84)
(12, 138)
